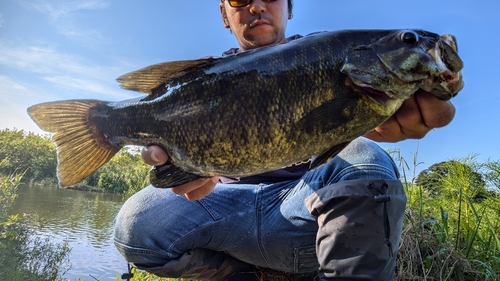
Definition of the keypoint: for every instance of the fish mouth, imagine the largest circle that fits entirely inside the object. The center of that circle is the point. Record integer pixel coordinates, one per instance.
(377, 96)
(449, 80)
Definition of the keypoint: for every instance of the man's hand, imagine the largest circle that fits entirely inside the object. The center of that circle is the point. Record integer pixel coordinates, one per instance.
(155, 156)
(416, 117)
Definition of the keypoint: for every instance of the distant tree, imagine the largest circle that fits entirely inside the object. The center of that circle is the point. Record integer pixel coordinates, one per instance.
(124, 171)
(35, 157)
(448, 176)
(28, 153)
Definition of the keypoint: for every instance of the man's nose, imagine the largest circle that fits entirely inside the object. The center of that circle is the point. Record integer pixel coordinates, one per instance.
(257, 7)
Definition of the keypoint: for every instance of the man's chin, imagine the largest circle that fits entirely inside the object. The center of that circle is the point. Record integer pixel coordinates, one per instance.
(263, 39)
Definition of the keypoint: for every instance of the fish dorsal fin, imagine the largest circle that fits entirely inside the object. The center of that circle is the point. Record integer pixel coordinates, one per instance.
(146, 79)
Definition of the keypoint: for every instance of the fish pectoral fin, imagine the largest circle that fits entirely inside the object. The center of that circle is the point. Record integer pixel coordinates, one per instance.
(168, 175)
(79, 152)
(328, 116)
(327, 155)
(146, 79)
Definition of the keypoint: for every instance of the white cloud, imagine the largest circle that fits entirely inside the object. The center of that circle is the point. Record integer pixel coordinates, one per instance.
(13, 91)
(16, 98)
(89, 86)
(64, 71)
(56, 10)
(48, 61)
(62, 17)
(18, 95)
(89, 37)
(37, 59)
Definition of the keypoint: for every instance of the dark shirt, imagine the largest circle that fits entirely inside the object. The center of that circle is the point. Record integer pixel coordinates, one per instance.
(234, 51)
(292, 172)
(288, 173)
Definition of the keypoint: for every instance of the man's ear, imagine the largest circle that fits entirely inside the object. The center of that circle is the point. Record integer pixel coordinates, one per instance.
(224, 16)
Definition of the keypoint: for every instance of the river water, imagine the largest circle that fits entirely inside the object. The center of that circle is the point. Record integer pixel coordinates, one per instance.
(82, 219)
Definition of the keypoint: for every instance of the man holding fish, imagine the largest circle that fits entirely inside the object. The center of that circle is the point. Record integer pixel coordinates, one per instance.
(341, 221)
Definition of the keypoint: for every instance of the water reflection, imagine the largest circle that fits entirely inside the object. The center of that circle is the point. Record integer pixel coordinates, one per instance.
(82, 219)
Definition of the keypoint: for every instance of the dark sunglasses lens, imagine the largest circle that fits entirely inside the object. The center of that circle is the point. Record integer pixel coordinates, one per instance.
(239, 3)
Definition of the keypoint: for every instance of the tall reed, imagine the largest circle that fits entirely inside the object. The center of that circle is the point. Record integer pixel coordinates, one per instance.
(450, 236)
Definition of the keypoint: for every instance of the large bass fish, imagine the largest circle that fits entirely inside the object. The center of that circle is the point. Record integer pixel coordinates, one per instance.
(255, 111)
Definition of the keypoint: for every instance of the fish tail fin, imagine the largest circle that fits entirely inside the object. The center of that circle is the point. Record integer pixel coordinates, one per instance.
(81, 148)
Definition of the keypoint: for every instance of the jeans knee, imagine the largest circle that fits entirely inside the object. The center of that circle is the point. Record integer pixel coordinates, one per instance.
(366, 151)
(139, 225)
(126, 221)
(364, 159)
(135, 226)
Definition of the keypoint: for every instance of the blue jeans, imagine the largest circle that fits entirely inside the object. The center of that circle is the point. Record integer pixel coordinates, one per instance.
(265, 225)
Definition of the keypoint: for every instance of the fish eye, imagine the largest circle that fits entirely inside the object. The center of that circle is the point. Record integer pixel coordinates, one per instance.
(409, 37)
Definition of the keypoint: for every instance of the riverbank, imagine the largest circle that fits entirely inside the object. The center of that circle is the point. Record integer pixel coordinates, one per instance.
(81, 219)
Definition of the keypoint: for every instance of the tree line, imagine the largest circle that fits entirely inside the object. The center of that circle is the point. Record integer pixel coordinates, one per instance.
(28, 153)
(34, 156)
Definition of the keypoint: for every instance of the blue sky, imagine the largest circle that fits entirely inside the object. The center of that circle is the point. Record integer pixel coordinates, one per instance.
(64, 49)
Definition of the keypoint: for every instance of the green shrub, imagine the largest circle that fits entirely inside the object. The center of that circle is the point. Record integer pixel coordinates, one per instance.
(26, 152)
(23, 255)
(123, 172)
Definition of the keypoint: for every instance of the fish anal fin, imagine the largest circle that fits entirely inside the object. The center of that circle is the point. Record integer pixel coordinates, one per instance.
(327, 155)
(81, 150)
(168, 175)
(146, 79)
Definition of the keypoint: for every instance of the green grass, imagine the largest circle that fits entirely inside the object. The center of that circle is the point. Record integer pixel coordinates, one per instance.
(450, 236)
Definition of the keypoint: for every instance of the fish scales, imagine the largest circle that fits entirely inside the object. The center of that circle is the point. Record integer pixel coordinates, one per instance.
(259, 110)
(274, 113)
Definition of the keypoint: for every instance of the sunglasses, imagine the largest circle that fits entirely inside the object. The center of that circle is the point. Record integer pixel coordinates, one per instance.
(239, 3)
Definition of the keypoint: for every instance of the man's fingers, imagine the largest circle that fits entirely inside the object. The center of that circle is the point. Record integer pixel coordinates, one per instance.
(410, 119)
(154, 155)
(389, 131)
(203, 191)
(436, 113)
(196, 189)
(417, 116)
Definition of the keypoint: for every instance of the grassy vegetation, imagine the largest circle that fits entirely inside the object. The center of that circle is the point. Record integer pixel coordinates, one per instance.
(23, 255)
(144, 276)
(451, 236)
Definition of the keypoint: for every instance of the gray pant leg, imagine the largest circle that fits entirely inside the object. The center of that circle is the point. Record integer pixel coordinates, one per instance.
(360, 223)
